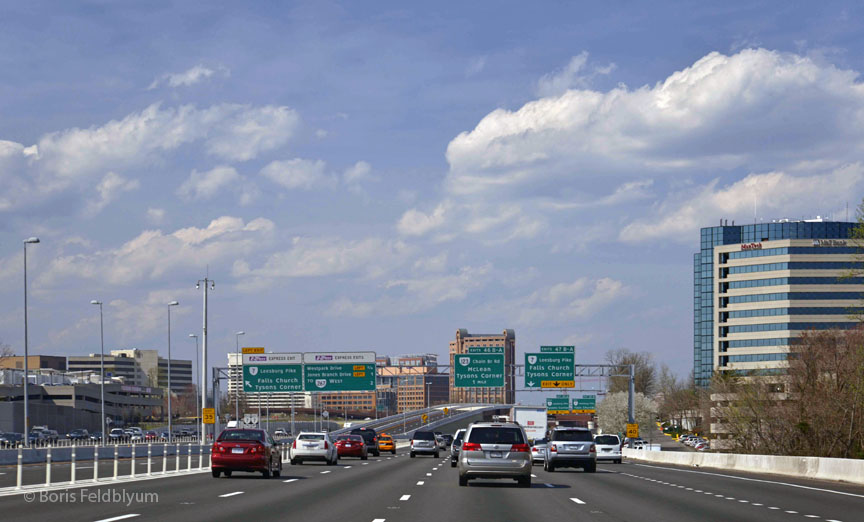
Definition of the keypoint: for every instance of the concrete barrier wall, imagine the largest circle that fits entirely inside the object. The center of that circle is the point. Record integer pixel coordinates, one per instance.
(845, 470)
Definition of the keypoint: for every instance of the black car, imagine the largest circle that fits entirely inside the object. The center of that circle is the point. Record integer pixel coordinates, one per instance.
(370, 437)
(11, 440)
(79, 434)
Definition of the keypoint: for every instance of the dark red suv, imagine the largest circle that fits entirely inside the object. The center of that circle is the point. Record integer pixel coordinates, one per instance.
(370, 436)
(246, 450)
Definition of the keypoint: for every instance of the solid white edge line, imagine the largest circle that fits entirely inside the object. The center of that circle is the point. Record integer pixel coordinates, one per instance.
(755, 480)
(404, 497)
(576, 500)
(122, 517)
(231, 494)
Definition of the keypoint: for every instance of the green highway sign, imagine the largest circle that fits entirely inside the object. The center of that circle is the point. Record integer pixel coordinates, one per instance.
(585, 404)
(339, 371)
(485, 349)
(272, 372)
(550, 368)
(476, 370)
(558, 349)
(558, 405)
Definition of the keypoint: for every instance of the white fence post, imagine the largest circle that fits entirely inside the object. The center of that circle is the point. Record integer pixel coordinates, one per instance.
(165, 458)
(48, 466)
(189, 457)
(95, 463)
(20, 464)
(116, 454)
(72, 469)
(149, 459)
(177, 457)
(134, 454)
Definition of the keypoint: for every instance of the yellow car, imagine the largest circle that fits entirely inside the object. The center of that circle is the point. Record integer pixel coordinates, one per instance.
(385, 443)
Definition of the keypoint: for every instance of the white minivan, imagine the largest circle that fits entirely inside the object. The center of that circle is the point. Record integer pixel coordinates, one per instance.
(608, 448)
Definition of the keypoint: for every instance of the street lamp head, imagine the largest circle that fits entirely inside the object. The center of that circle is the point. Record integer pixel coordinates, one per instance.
(193, 335)
(173, 303)
(32, 240)
(96, 302)
(197, 285)
(241, 333)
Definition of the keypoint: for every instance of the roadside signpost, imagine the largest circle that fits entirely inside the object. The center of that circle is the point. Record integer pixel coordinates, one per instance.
(632, 431)
(339, 371)
(552, 367)
(424, 417)
(585, 404)
(209, 415)
(272, 372)
(478, 370)
(558, 405)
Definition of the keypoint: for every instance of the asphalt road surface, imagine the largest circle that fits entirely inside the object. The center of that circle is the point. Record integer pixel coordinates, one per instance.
(425, 489)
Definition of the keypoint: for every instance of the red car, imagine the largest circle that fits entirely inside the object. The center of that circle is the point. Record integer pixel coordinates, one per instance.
(351, 446)
(246, 450)
(151, 435)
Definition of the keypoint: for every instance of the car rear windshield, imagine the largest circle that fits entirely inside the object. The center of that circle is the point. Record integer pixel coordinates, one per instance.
(537, 442)
(607, 439)
(459, 436)
(311, 436)
(581, 436)
(242, 435)
(355, 438)
(424, 435)
(385, 438)
(496, 436)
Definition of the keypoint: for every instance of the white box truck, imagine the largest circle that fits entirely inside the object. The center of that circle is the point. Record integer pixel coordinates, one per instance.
(532, 419)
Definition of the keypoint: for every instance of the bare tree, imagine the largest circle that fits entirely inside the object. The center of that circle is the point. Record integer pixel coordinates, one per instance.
(815, 409)
(644, 367)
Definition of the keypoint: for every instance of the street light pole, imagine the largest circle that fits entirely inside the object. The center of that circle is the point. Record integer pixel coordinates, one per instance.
(101, 368)
(237, 382)
(170, 431)
(209, 284)
(28, 241)
(198, 414)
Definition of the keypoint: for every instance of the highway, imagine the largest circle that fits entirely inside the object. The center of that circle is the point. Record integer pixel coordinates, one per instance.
(424, 489)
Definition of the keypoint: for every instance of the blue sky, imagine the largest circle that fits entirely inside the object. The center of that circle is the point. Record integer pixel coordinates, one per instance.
(375, 176)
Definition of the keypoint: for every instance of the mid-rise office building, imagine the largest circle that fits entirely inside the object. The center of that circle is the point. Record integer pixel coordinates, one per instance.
(462, 344)
(34, 362)
(137, 368)
(758, 286)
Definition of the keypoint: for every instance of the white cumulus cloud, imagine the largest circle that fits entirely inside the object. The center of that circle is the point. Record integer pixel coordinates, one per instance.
(111, 186)
(205, 185)
(188, 77)
(297, 173)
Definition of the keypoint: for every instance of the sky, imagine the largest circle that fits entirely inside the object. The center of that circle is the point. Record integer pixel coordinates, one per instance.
(374, 176)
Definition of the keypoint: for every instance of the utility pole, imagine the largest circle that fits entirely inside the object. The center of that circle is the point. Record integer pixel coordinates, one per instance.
(209, 284)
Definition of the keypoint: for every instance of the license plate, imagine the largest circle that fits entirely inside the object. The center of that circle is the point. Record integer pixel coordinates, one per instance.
(347, 445)
(607, 449)
(496, 454)
(311, 445)
(236, 450)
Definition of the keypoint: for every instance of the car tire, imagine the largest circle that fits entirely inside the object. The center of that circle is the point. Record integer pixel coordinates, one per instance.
(377, 453)
(618, 461)
(591, 468)
(524, 482)
(215, 473)
(463, 481)
(452, 463)
(550, 467)
(278, 471)
(364, 457)
(436, 455)
(413, 455)
(266, 473)
(393, 452)
(293, 462)
(227, 474)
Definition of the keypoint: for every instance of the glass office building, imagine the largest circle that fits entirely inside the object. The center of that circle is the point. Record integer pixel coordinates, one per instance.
(756, 287)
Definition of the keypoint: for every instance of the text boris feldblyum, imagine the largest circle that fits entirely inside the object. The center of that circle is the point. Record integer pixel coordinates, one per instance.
(99, 496)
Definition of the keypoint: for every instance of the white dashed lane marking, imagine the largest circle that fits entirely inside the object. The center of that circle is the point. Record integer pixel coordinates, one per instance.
(231, 494)
(428, 474)
(420, 482)
(289, 480)
(121, 517)
(576, 500)
(404, 497)
(325, 472)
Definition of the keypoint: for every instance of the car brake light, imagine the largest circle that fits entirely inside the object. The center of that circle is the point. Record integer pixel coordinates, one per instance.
(534, 449)
(553, 448)
(326, 446)
(519, 448)
(471, 446)
(294, 444)
(593, 449)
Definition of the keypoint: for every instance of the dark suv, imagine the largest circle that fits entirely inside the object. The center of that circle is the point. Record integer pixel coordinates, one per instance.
(370, 437)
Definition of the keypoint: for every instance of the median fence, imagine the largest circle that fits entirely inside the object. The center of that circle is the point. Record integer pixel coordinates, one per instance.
(59, 467)
(844, 470)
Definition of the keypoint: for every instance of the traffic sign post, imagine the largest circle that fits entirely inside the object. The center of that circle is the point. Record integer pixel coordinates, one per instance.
(558, 405)
(632, 431)
(424, 417)
(339, 371)
(209, 415)
(585, 404)
(553, 367)
(272, 372)
(474, 370)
